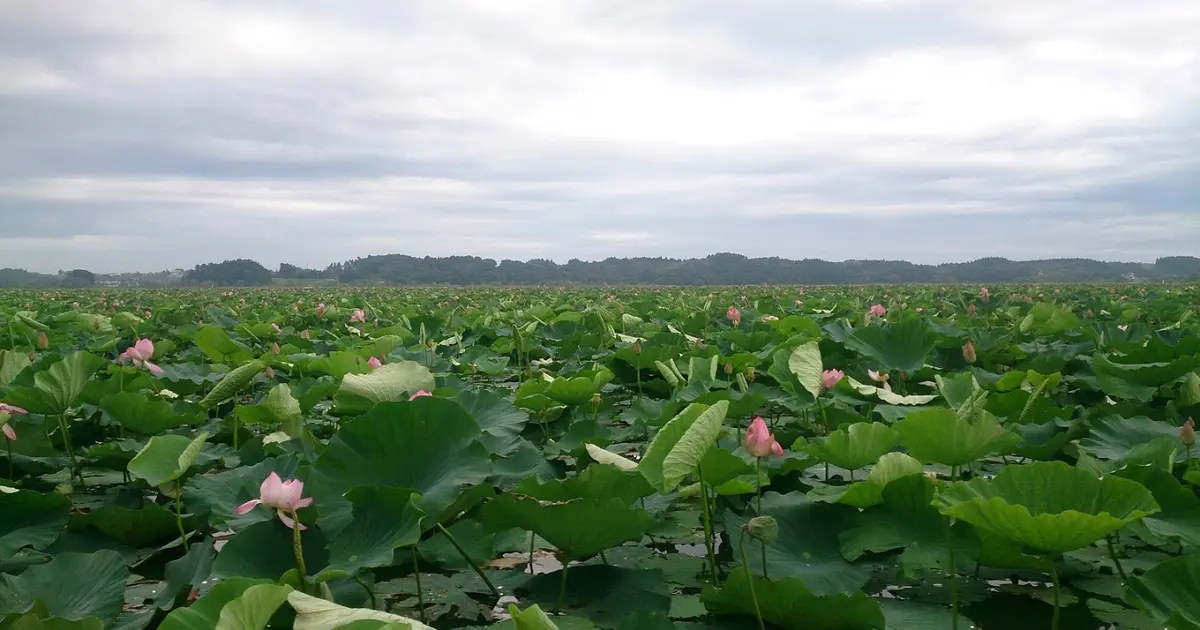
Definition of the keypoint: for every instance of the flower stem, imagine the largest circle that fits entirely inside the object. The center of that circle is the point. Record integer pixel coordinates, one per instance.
(298, 549)
(758, 509)
(467, 557)
(750, 580)
(532, 537)
(1054, 578)
(370, 592)
(179, 515)
(953, 570)
(420, 592)
(708, 544)
(66, 435)
(562, 587)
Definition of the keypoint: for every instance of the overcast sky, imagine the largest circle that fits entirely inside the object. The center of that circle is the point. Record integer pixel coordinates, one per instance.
(144, 135)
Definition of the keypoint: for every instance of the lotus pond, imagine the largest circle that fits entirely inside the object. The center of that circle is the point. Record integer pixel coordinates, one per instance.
(865, 458)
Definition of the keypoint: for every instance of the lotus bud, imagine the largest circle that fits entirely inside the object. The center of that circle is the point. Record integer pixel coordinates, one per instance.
(830, 378)
(984, 294)
(728, 368)
(969, 351)
(734, 315)
(764, 528)
(637, 347)
(270, 372)
(750, 373)
(1187, 433)
(275, 347)
(43, 342)
(596, 399)
(971, 310)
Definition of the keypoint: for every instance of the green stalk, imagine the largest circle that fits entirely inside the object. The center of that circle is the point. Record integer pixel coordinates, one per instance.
(179, 515)
(562, 587)
(758, 509)
(953, 574)
(66, 433)
(298, 550)
(370, 592)
(750, 580)
(420, 592)
(467, 557)
(708, 545)
(1057, 589)
(532, 537)
(1112, 552)
(8, 445)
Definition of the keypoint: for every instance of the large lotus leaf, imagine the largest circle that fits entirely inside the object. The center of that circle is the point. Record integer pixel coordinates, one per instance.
(185, 573)
(864, 494)
(856, 446)
(805, 364)
(11, 364)
(219, 494)
(1048, 506)
(1171, 592)
(1045, 320)
(601, 593)
(901, 345)
(149, 525)
(142, 414)
(807, 546)
(904, 614)
(278, 408)
(1139, 381)
(57, 388)
(598, 481)
(254, 608)
(786, 603)
(500, 421)
(579, 528)
(610, 458)
(388, 383)
(166, 458)
(1116, 438)
(1180, 516)
(71, 586)
(204, 613)
(941, 436)
(532, 618)
(906, 520)
(31, 519)
(679, 447)
(384, 519)
(314, 613)
(429, 445)
(886, 395)
(217, 345)
(264, 551)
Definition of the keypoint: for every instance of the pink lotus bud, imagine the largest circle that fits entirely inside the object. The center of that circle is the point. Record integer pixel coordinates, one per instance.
(43, 342)
(282, 496)
(734, 315)
(728, 368)
(984, 294)
(878, 377)
(971, 310)
(270, 372)
(1187, 433)
(830, 378)
(274, 347)
(321, 309)
(969, 351)
(759, 442)
(148, 314)
(374, 363)
(358, 316)
(637, 347)
(9, 432)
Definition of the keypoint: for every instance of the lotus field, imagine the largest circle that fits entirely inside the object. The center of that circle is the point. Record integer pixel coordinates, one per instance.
(856, 458)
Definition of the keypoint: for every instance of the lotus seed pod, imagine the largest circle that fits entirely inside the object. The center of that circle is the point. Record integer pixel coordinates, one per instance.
(764, 528)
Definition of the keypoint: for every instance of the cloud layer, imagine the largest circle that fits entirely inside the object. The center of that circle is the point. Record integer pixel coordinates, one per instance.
(141, 135)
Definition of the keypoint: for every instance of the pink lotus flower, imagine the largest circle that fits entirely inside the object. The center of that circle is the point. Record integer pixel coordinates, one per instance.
(6, 428)
(140, 354)
(830, 378)
(1123, 327)
(734, 315)
(281, 496)
(984, 294)
(358, 316)
(374, 362)
(971, 310)
(969, 351)
(321, 309)
(878, 377)
(877, 310)
(759, 441)
(420, 393)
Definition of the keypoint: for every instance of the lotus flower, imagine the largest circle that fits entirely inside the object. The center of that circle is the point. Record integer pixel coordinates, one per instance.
(6, 427)
(420, 393)
(321, 309)
(734, 315)
(1123, 327)
(358, 316)
(878, 377)
(281, 496)
(1187, 433)
(374, 362)
(984, 294)
(830, 378)
(877, 310)
(969, 351)
(140, 354)
(759, 441)
(971, 310)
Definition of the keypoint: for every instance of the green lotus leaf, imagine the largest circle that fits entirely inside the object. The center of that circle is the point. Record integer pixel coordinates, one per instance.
(856, 446)
(942, 436)
(579, 528)
(1169, 592)
(786, 603)
(679, 447)
(1051, 507)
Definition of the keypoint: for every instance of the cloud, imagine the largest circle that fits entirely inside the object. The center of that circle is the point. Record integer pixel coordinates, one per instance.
(140, 135)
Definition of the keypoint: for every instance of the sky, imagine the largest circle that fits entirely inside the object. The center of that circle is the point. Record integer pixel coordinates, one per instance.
(141, 135)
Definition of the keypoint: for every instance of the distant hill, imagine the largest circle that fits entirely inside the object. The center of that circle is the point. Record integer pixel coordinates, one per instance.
(717, 269)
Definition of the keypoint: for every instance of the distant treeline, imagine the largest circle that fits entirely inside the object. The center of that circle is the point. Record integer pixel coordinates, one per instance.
(717, 269)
